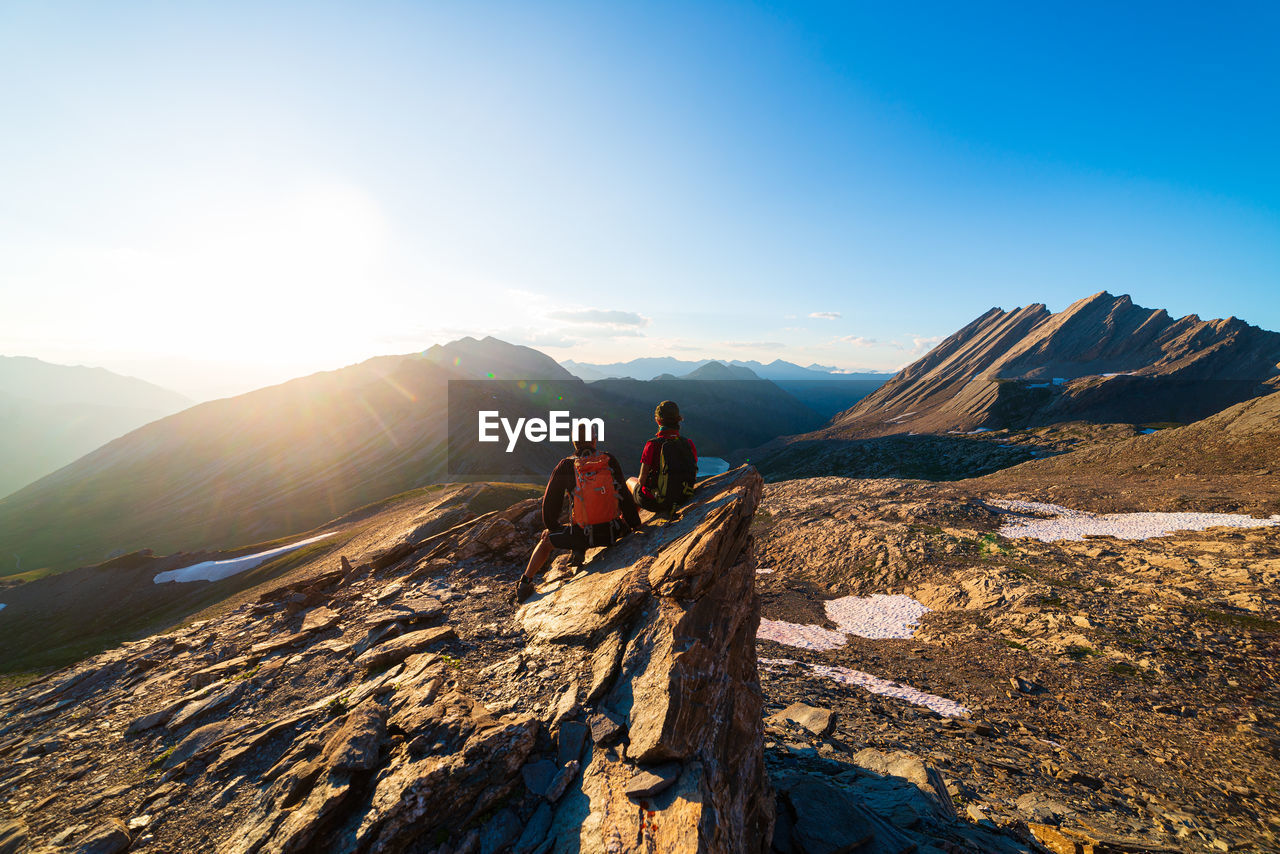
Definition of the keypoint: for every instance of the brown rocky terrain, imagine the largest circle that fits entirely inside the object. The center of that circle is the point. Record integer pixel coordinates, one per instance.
(1102, 359)
(1119, 690)
(1113, 694)
(394, 699)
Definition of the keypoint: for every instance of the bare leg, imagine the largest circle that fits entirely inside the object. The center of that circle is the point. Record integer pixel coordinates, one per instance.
(538, 560)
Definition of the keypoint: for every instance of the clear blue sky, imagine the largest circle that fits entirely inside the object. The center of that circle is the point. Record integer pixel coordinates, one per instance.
(215, 195)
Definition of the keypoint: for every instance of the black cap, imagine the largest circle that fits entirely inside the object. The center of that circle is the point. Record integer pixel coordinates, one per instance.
(668, 413)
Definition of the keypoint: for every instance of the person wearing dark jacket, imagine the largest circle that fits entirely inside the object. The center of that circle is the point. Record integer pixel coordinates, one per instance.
(572, 536)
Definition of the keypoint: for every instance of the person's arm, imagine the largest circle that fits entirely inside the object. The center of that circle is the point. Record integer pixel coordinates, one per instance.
(695, 451)
(629, 512)
(553, 497)
(648, 459)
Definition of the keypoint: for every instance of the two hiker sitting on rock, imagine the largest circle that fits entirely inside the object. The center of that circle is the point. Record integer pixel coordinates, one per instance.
(668, 465)
(602, 509)
(603, 504)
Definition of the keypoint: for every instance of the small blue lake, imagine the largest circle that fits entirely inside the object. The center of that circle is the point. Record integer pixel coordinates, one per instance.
(708, 466)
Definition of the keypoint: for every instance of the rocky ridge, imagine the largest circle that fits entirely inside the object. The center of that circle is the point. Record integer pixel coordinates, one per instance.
(379, 706)
(1101, 359)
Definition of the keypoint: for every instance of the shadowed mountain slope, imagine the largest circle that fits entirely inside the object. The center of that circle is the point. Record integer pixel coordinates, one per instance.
(59, 618)
(287, 458)
(52, 414)
(1102, 359)
(1228, 462)
(253, 467)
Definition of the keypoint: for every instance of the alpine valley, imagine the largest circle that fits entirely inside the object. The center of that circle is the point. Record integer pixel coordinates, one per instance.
(1021, 596)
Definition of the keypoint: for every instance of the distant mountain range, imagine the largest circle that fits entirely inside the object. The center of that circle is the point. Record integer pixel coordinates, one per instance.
(51, 415)
(826, 396)
(648, 368)
(1103, 359)
(286, 458)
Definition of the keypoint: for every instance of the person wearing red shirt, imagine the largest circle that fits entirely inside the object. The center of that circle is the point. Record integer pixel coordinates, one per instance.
(648, 490)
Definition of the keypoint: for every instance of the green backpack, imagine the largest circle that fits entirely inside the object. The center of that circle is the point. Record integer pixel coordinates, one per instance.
(677, 472)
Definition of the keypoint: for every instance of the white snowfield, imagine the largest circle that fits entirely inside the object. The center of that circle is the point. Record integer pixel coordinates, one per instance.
(1067, 524)
(876, 616)
(876, 685)
(800, 635)
(216, 570)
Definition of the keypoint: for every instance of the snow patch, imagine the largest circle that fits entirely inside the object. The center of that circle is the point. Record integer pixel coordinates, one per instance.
(877, 616)
(1067, 524)
(883, 687)
(216, 570)
(800, 636)
(979, 430)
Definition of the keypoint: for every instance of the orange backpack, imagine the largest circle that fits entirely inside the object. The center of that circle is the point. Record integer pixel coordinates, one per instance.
(595, 498)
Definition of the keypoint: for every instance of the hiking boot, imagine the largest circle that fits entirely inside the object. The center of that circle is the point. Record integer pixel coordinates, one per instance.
(578, 558)
(524, 589)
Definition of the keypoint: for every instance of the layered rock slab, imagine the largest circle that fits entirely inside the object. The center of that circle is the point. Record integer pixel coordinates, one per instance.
(671, 619)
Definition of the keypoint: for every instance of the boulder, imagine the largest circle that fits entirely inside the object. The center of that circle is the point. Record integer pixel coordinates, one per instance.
(14, 838)
(649, 782)
(319, 619)
(818, 721)
(400, 648)
(111, 837)
(200, 739)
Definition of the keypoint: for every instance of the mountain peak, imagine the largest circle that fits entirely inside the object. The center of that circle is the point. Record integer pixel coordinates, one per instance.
(493, 358)
(719, 371)
(1017, 368)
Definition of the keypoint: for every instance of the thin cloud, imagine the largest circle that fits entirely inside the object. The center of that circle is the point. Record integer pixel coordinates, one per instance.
(921, 344)
(858, 340)
(607, 332)
(534, 338)
(825, 315)
(600, 317)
